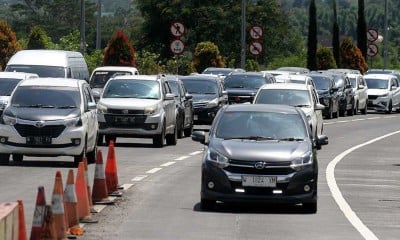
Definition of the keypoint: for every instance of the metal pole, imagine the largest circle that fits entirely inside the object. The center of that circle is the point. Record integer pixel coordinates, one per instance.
(243, 37)
(83, 40)
(385, 38)
(98, 25)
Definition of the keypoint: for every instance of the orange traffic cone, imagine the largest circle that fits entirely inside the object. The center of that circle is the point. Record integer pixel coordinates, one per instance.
(82, 195)
(57, 205)
(111, 172)
(71, 207)
(49, 228)
(21, 221)
(100, 192)
(38, 215)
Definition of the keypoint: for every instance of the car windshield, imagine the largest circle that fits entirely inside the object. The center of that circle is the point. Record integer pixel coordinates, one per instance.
(132, 88)
(353, 82)
(377, 83)
(7, 85)
(42, 71)
(339, 82)
(46, 97)
(260, 126)
(321, 82)
(244, 81)
(199, 86)
(216, 71)
(174, 87)
(100, 78)
(284, 96)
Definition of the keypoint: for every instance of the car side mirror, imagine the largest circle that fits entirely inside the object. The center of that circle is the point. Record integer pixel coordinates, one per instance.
(199, 136)
(394, 87)
(92, 106)
(188, 96)
(169, 96)
(319, 106)
(361, 86)
(322, 140)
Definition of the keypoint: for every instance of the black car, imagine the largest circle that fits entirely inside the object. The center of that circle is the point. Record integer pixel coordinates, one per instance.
(345, 93)
(327, 93)
(251, 155)
(242, 87)
(184, 103)
(208, 96)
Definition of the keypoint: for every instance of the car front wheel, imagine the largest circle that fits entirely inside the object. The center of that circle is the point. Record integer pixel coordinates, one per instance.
(4, 158)
(172, 139)
(310, 207)
(207, 204)
(158, 140)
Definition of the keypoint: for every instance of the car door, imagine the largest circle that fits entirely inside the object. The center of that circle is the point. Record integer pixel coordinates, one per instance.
(169, 107)
(188, 104)
(90, 114)
(395, 92)
(317, 113)
(362, 91)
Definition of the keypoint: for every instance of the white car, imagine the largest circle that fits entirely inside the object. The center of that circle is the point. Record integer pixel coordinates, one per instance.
(138, 106)
(383, 92)
(298, 95)
(360, 90)
(49, 117)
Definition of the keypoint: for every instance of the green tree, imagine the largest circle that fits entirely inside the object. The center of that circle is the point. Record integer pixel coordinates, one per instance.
(351, 56)
(38, 39)
(335, 35)
(206, 55)
(119, 51)
(148, 63)
(94, 60)
(70, 42)
(361, 29)
(8, 43)
(312, 37)
(325, 59)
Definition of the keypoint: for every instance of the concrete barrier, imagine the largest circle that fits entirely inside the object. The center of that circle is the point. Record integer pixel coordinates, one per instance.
(9, 221)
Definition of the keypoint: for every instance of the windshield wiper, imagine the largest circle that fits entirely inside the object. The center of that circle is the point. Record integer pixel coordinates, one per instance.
(236, 87)
(257, 138)
(66, 106)
(303, 105)
(37, 106)
(291, 139)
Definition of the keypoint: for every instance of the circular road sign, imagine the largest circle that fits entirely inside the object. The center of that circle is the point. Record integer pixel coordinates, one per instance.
(372, 34)
(177, 47)
(256, 32)
(255, 48)
(372, 50)
(177, 29)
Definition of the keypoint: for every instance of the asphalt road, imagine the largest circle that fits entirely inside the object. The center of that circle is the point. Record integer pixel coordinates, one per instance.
(358, 190)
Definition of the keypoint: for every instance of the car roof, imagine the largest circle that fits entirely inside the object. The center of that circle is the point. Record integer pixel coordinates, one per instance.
(294, 86)
(54, 82)
(201, 77)
(116, 68)
(379, 76)
(276, 108)
(18, 75)
(136, 77)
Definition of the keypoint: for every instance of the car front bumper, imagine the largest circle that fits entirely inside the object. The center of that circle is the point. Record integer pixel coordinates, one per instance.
(378, 104)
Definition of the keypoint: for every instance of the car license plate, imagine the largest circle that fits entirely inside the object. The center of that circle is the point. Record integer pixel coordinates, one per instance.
(125, 119)
(258, 181)
(38, 140)
(195, 117)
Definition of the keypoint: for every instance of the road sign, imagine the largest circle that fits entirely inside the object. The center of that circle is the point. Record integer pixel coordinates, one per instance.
(177, 29)
(372, 50)
(256, 32)
(177, 47)
(255, 48)
(372, 34)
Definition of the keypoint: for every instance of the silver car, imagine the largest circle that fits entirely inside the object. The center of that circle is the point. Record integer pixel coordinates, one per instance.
(138, 106)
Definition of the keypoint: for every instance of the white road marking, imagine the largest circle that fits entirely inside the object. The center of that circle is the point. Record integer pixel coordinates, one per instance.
(359, 119)
(181, 158)
(195, 153)
(126, 186)
(337, 195)
(167, 164)
(138, 178)
(154, 170)
(99, 208)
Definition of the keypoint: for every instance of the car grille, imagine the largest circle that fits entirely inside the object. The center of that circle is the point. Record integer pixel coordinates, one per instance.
(199, 104)
(124, 111)
(372, 97)
(125, 121)
(247, 167)
(30, 130)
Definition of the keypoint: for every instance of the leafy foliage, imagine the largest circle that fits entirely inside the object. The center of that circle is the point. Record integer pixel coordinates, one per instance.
(148, 63)
(206, 55)
(351, 56)
(119, 51)
(8, 43)
(325, 59)
(94, 60)
(38, 38)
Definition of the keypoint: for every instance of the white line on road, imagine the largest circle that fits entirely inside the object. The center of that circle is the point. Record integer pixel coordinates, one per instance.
(138, 178)
(167, 164)
(337, 195)
(181, 158)
(195, 153)
(154, 170)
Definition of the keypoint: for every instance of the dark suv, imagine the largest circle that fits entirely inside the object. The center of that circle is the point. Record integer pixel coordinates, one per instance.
(242, 87)
(208, 96)
(345, 93)
(327, 92)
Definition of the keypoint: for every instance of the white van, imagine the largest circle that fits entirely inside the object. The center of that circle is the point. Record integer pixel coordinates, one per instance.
(49, 63)
(101, 75)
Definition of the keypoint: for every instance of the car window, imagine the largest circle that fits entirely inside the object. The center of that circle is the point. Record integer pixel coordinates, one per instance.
(42, 71)
(284, 96)
(244, 81)
(321, 82)
(100, 78)
(201, 87)
(373, 83)
(7, 85)
(132, 88)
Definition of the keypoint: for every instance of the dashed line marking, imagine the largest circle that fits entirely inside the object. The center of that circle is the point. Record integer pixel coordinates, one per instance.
(359, 119)
(181, 158)
(167, 164)
(126, 186)
(154, 170)
(138, 178)
(195, 153)
(99, 208)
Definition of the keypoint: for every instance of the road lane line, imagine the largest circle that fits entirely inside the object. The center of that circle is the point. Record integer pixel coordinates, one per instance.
(337, 195)
(154, 170)
(195, 153)
(167, 164)
(126, 186)
(181, 158)
(138, 178)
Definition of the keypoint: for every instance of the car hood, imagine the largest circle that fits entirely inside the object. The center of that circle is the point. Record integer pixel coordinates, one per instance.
(273, 151)
(97, 92)
(241, 92)
(203, 97)
(128, 103)
(4, 100)
(377, 91)
(42, 114)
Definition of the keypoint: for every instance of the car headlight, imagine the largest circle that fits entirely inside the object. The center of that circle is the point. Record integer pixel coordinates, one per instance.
(217, 158)
(8, 120)
(73, 122)
(302, 161)
(101, 108)
(152, 110)
(213, 103)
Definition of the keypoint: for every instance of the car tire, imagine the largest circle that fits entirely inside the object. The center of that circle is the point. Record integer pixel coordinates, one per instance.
(18, 157)
(389, 108)
(207, 204)
(364, 110)
(78, 159)
(351, 111)
(329, 115)
(100, 139)
(181, 128)
(158, 140)
(355, 109)
(172, 139)
(310, 207)
(4, 158)
(91, 156)
(188, 131)
(110, 138)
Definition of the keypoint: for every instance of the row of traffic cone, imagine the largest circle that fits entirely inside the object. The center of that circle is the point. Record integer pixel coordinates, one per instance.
(74, 205)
